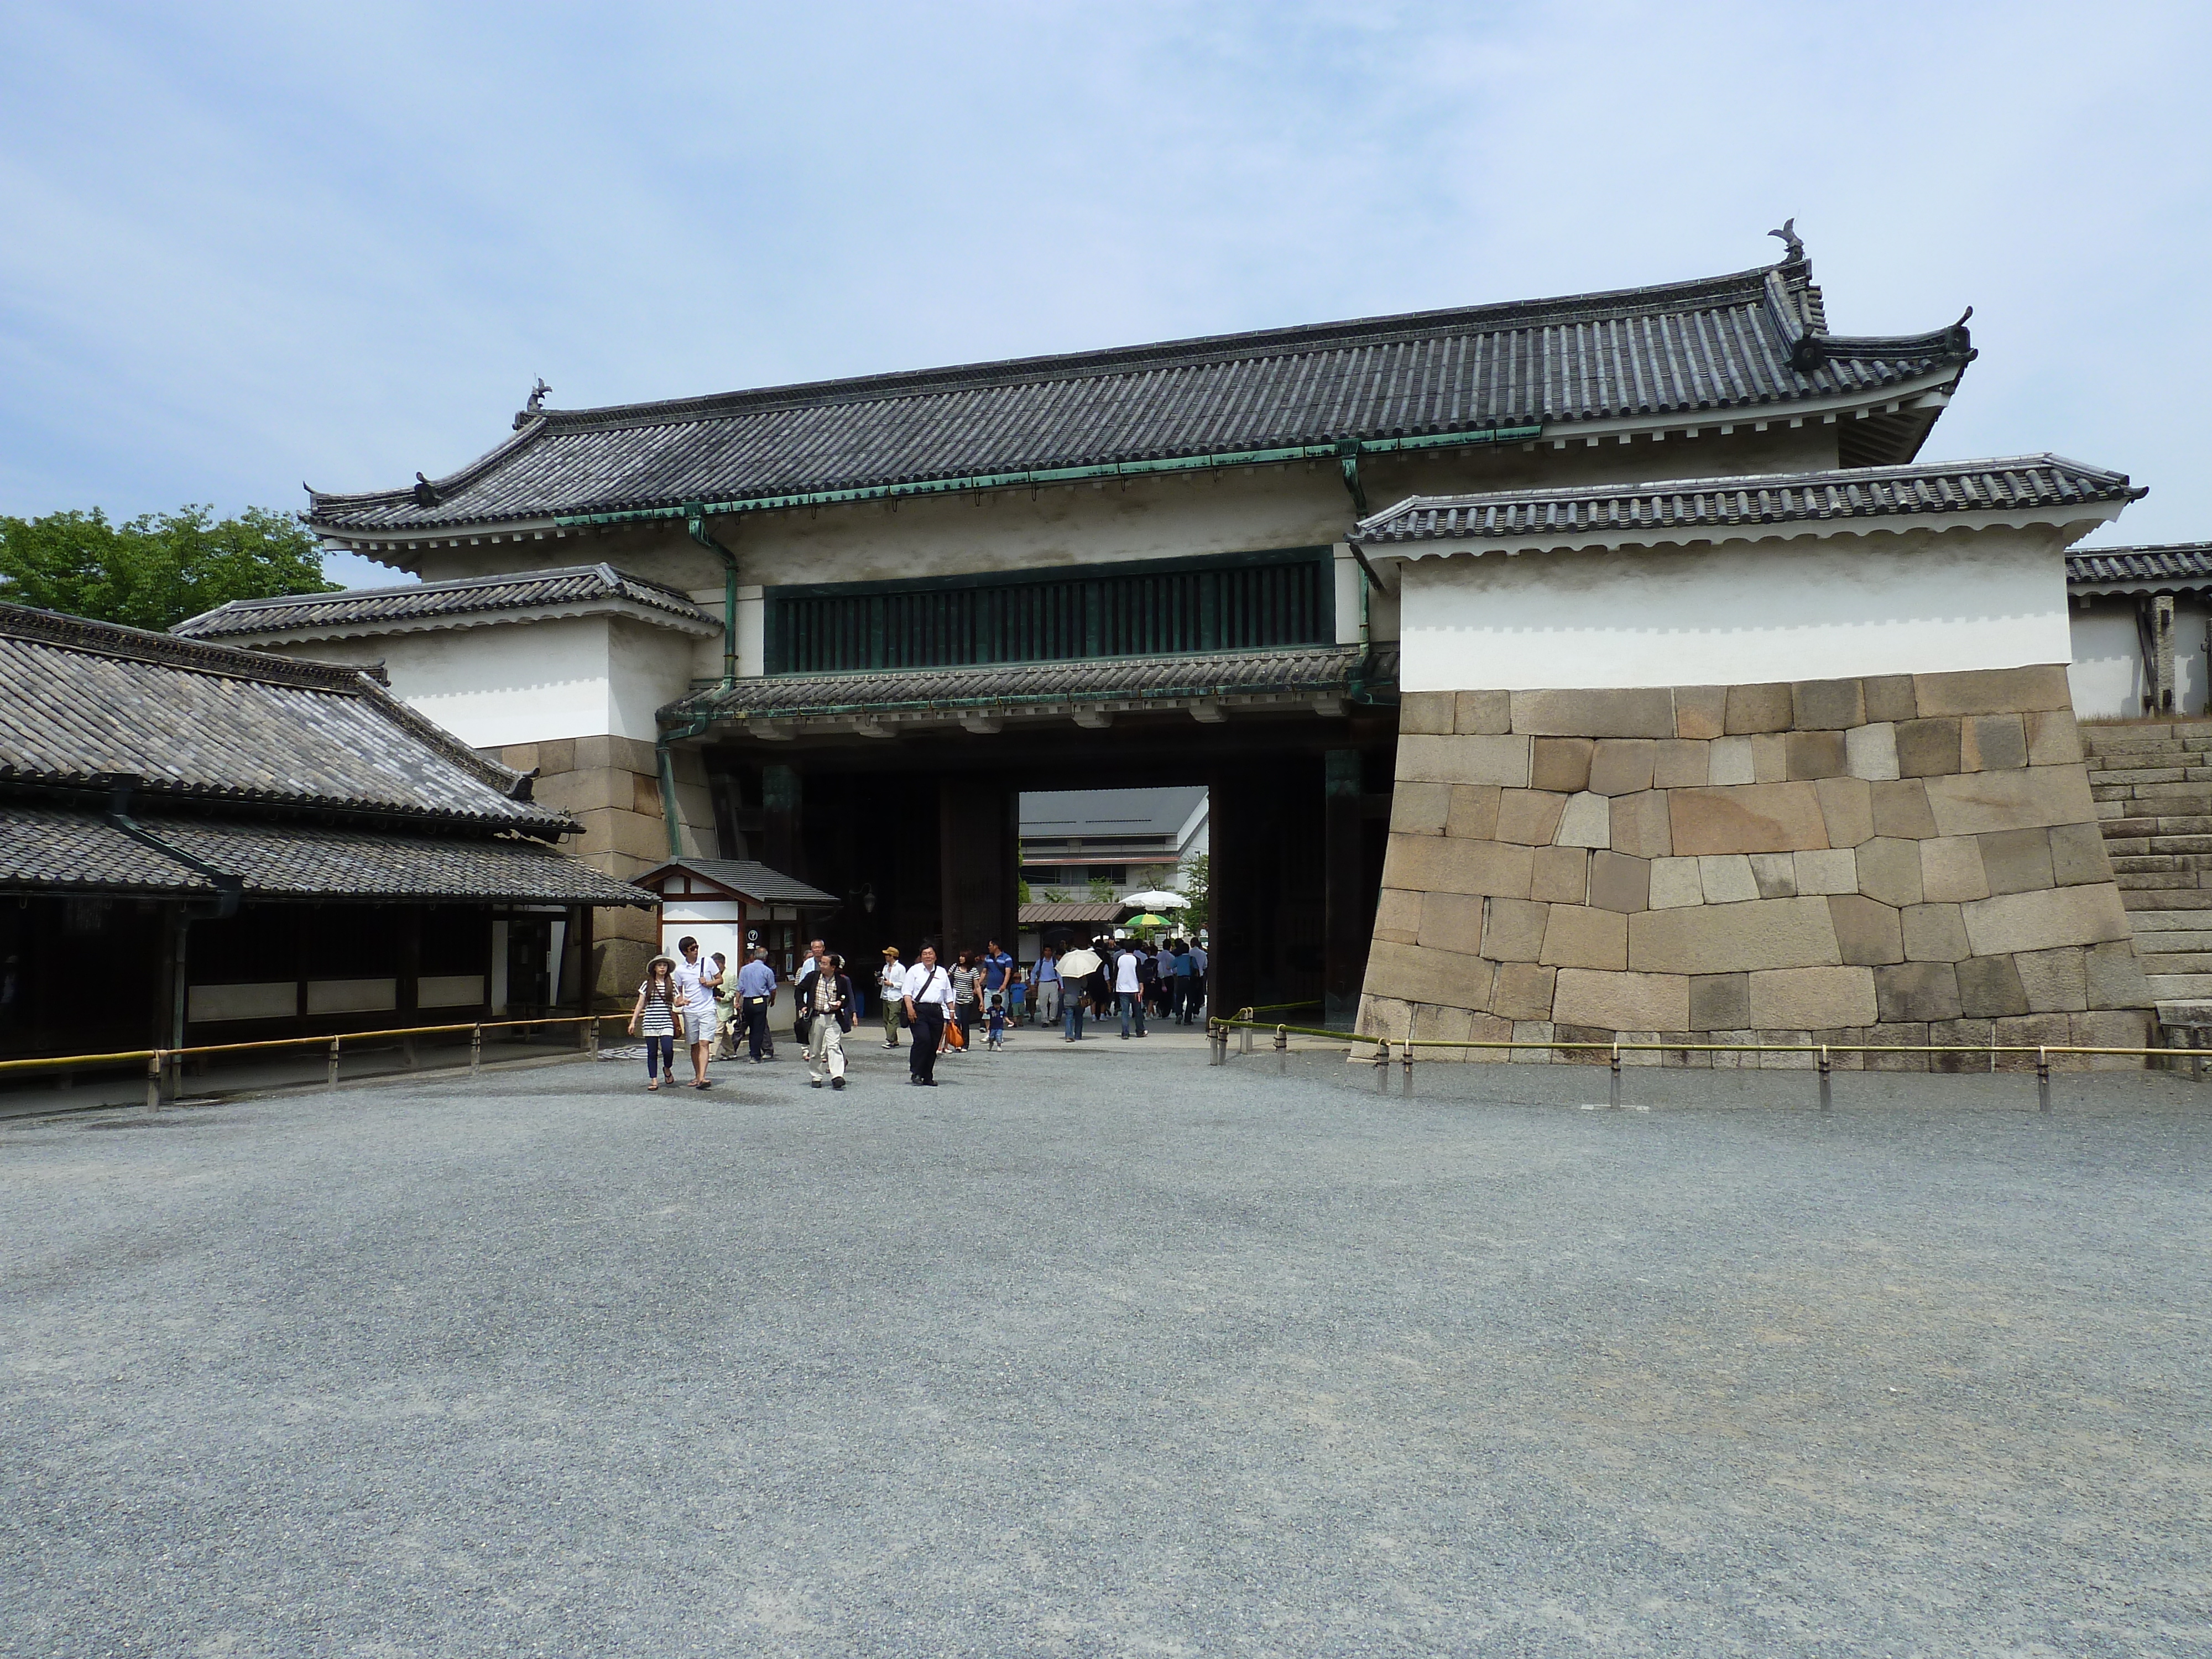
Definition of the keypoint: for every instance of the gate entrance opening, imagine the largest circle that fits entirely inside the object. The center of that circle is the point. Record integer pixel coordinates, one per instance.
(918, 832)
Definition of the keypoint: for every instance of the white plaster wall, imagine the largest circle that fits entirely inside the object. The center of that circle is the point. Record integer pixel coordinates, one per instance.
(1781, 610)
(2106, 675)
(647, 669)
(517, 683)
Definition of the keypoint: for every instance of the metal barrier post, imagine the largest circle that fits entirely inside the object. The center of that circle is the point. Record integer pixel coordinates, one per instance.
(1245, 1016)
(1283, 1050)
(1405, 1068)
(2042, 1079)
(1827, 1098)
(154, 1082)
(407, 1051)
(595, 1037)
(1614, 1099)
(334, 1062)
(476, 1049)
(1382, 1065)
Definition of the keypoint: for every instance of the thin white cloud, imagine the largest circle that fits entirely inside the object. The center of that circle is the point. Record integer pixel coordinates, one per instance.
(251, 245)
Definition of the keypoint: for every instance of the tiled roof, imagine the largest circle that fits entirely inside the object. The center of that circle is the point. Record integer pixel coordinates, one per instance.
(51, 849)
(1691, 505)
(1753, 340)
(83, 702)
(428, 602)
(1309, 670)
(1047, 914)
(753, 879)
(2187, 564)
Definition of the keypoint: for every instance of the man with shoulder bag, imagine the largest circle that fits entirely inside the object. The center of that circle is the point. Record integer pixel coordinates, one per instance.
(927, 999)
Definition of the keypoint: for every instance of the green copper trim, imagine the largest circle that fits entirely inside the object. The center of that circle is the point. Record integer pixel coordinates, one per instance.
(1059, 475)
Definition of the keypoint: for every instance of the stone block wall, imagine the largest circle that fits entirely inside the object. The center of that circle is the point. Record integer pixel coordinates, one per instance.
(1901, 859)
(612, 786)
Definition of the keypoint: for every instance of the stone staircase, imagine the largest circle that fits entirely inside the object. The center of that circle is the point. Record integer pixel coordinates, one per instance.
(2153, 785)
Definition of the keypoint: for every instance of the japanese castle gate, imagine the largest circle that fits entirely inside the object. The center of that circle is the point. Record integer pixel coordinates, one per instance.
(836, 627)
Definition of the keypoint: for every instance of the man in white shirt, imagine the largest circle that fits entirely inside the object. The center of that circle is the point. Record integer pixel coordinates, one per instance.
(929, 997)
(1127, 987)
(696, 976)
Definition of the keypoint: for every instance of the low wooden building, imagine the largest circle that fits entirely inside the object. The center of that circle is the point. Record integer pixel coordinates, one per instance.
(731, 905)
(202, 844)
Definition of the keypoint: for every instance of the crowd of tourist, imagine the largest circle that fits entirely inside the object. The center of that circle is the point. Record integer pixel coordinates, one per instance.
(932, 1007)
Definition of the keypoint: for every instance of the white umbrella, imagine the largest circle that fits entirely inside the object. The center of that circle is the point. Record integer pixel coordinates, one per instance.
(1078, 963)
(1158, 901)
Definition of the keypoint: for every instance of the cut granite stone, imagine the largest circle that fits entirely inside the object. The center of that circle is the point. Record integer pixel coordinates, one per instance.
(1774, 873)
(1700, 711)
(1993, 690)
(1990, 987)
(1718, 939)
(2027, 798)
(1728, 760)
(1420, 809)
(1751, 817)
(1621, 1002)
(1453, 921)
(2044, 920)
(1587, 821)
(1530, 817)
(1992, 743)
(1618, 881)
(1800, 998)
(1889, 870)
(1835, 871)
(1622, 766)
(1398, 916)
(1561, 875)
(1846, 809)
(1438, 864)
(1951, 870)
(2015, 861)
(1816, 754)
(1676, 883)
(1644, 712)
(1681, 764)
(1935, 932)
(1916, 991)
(1483, 714)
(2056, 982)
(1726, 879)
(1758, 709)
(1720, 1002)
(1473, 815)
(1867, 932)
(1425, 711)
(1513, 929)
(1640, 825)
(1501, 760)
(1576, 936)
(1828, 705)
(1523, 990)
(1901, 810)
(1928, 748)
(1562, 763)
(1872, 751)
(1889, 697)
(2078, 855)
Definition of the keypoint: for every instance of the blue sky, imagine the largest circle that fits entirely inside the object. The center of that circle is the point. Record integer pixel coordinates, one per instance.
(249, 245)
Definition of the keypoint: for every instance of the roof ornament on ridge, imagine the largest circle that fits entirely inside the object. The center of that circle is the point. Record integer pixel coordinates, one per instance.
(535, 406)
(1792, 242)
(426, 494)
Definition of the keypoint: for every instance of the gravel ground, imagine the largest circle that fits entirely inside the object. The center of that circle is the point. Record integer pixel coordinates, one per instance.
(1100, 1351)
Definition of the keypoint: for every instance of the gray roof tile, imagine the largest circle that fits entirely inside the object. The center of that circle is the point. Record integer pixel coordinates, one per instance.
(1690, 505)
(53, 848)
(81, 702)
(752, 878)
(1315, 670)
(1720, 343)
(2187, 564)
(427, 602)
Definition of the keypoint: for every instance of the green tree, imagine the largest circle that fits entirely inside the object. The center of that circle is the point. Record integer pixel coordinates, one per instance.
(1101, 891)
(157, 569)
(1197, 880)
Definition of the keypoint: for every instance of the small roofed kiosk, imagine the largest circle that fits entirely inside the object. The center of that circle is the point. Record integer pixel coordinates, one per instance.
(932, 591)
(2142, 629)
(201, 844)
(731, 905)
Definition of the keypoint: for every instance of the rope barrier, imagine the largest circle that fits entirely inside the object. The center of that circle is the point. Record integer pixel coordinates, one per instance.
(159, 1062)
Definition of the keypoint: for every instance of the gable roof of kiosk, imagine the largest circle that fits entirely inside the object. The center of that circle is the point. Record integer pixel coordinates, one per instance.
(1708, 351)
(2030, 487)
